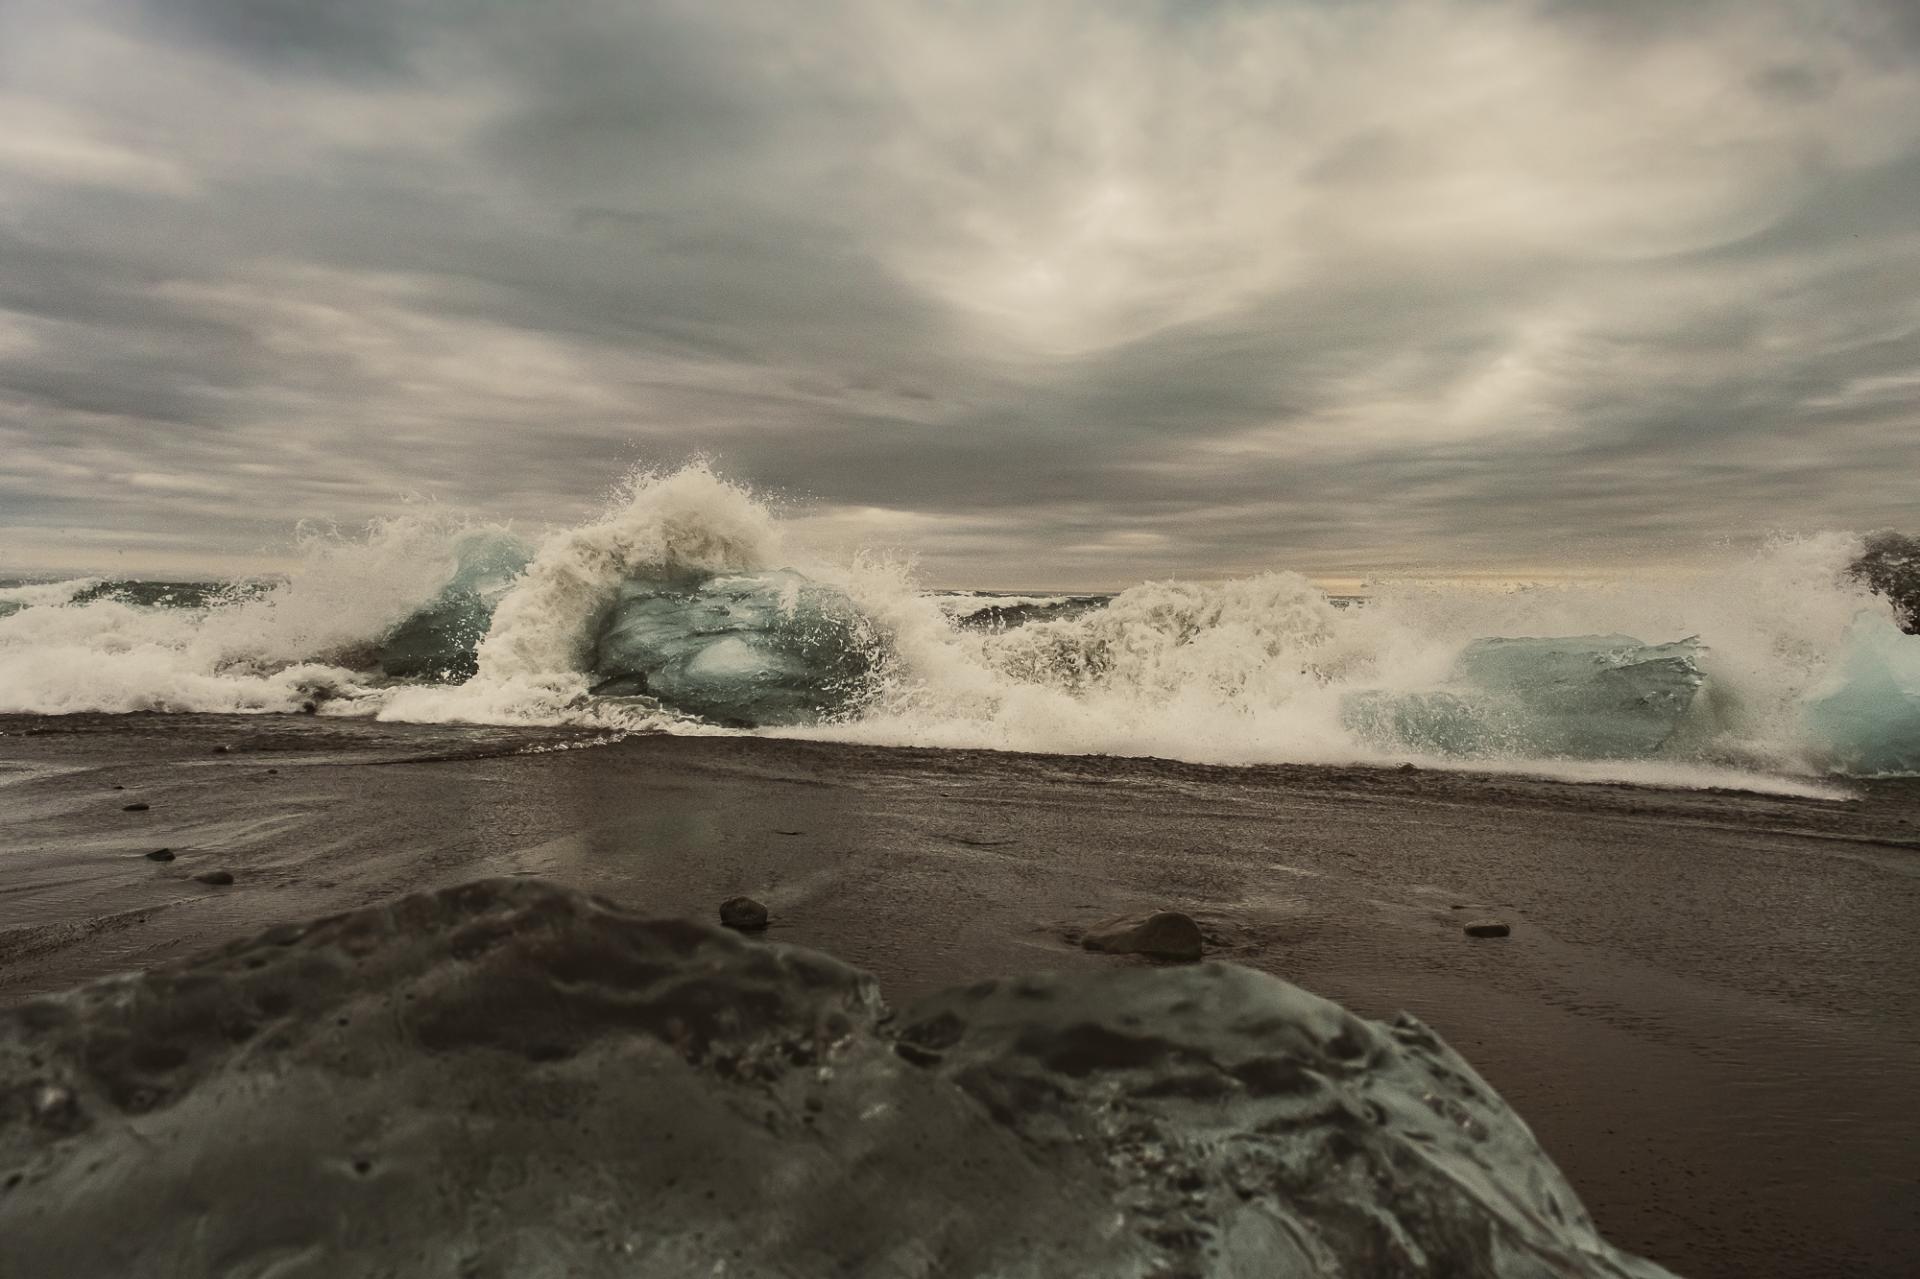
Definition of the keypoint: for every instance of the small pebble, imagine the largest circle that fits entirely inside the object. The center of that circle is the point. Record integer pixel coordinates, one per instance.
(1487, 928)
(54, 1104)
(160, 855)
(214, 877)
(1166, 934)
(743, 914)
(133, 808)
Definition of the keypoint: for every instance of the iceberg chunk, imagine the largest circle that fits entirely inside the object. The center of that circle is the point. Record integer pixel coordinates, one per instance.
(1581, 697)
(513, 1078)
(752, 649)
(441, 640)
(1866, 718)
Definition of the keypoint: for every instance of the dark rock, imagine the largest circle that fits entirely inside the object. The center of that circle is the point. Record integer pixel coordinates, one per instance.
(1487, 928)
(1889, 564)
(215, 877)
(1409, 768)
(658, 1093)
(743, 914)
(160, 855)
(1166, 934)
(133, 808)
(223, 750)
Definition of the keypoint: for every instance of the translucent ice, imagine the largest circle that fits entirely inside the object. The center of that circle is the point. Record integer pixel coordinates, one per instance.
(510, 1078)
(1583, 697)
(438, 641)
(1866, 719)
(753, 648)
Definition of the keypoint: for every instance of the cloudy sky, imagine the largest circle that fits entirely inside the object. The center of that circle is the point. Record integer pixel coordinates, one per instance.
(1048, 292)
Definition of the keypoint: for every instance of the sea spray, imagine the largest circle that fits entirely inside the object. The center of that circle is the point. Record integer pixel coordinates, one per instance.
(536, 663)
(1266, 669)
(683, 522)
(254, 649)
(1257, 669)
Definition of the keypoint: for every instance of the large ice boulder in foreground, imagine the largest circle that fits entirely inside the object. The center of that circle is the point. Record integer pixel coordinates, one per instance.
(1581, 697)
(752, 648)
(1866, 718)
(510, 1079)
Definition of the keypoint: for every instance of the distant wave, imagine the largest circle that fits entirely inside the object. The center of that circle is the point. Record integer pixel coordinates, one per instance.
(1771, 669)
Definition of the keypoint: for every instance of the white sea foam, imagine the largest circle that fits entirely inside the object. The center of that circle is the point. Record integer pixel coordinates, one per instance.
(1259, 669)
(274, 650)
(1252, 670)
(43, 594)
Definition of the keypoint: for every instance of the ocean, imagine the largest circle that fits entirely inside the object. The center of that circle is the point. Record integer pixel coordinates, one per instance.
(688, 607)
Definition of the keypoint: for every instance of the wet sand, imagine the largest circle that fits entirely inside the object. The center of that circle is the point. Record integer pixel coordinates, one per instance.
(1708, 1010)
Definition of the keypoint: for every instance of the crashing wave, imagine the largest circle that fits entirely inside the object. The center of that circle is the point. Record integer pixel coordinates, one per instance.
(998, 611)
(659, 604)
(442, 640)
(1580, 697)
(254, 648)
(44, 594)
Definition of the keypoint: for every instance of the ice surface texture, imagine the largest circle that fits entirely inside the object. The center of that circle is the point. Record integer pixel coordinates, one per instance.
(440, 640)
(750, 649)
(1581, 697)
(1868, 714)
(513, 1079)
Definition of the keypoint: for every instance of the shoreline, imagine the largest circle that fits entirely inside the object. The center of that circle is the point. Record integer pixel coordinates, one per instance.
(1706, 1010)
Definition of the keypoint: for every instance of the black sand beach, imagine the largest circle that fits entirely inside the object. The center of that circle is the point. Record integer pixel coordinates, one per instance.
(1707, 1010)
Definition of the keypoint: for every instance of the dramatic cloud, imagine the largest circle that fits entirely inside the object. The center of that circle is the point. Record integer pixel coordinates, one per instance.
(1061, 293)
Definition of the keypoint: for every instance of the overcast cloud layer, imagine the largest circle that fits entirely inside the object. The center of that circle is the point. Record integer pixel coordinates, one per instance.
(1051, 293)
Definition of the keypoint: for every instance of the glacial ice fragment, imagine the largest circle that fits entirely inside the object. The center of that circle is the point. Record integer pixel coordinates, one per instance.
(513, 1078)
(441, 640)
(1866, 718)
(752, 648)
(1582, 697)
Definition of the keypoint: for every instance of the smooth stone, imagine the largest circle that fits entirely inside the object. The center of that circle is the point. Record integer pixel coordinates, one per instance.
(214, 877)
(160, 855)
(1166, 934)
(1487, 928)
(53, 1104)
(133, 808)
(743, 914)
